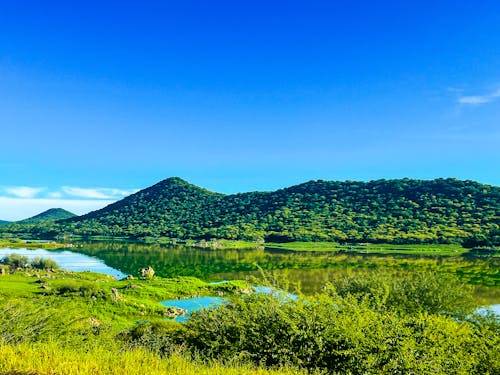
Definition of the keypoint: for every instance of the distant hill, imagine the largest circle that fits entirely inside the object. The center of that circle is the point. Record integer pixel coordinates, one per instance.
(398, 211)
(3, 222)
(52, 214)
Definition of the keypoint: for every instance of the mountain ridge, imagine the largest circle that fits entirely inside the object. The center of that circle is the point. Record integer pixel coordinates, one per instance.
(397, 210)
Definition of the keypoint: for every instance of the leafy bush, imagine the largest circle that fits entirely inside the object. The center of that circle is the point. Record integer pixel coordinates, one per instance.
(340, 335)
(81, 288)
(160, 337)
(409, 293)
(15, 261)
(44, 264)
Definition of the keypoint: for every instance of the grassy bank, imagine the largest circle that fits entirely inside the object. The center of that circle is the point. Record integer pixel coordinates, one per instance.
(59, 322)
(16, 243)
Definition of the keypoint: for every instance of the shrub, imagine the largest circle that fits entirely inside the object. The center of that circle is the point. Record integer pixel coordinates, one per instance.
(15, 261)
(340, 335)
(408, 293)
(81, 288)
(44, 264)
(160, 337)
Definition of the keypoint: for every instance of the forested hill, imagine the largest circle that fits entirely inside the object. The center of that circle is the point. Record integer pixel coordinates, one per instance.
(411, 211)
(52, 214)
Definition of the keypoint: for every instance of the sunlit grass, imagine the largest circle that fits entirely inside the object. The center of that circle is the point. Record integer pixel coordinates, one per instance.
(50, 358)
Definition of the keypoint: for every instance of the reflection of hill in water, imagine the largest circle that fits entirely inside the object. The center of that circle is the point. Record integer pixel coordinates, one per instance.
(170, 261)
(308, 268)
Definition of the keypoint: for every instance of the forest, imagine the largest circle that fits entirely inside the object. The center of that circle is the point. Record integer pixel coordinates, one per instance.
(382, 211)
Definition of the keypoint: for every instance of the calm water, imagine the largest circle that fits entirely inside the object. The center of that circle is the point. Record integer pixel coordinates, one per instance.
(193, 304)
(310, 269)
(68, 260)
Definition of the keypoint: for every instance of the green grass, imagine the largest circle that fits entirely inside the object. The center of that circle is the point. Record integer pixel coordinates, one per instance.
(60, 322)
(90, 294)
(18, 243)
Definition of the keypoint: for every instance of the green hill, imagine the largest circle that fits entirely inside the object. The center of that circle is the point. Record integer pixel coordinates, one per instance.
(52, 214)
(398, 211)
(3, 222)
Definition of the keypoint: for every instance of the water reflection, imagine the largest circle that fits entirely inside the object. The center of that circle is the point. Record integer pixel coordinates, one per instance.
(67, 260)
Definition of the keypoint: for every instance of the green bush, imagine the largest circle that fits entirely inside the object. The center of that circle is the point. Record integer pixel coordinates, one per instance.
(408, 293)
(44, 264)
(82, 288)
(15, 261)
(340, 335)
(160, 337)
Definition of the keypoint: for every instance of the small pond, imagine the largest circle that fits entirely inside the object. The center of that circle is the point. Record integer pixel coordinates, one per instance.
(193, 304)
(197, 303)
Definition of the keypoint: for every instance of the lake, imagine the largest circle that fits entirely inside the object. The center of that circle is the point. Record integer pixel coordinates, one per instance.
(68, 260)
(309, 269)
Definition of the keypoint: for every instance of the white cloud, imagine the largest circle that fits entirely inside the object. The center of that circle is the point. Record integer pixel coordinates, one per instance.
(23, 191)
(96, 193)
(21, 202)
(21, 208)
(479, 99)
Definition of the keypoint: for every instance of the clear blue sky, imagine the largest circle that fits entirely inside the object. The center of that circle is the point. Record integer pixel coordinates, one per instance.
(98, 98)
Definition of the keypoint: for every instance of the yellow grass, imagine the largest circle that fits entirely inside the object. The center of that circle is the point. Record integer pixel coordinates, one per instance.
(45, 359)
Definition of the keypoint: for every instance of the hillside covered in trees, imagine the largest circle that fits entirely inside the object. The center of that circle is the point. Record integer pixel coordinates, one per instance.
(397, 211)
(52, 214)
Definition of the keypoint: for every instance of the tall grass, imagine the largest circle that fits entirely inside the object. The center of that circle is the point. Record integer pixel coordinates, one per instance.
(50, 358)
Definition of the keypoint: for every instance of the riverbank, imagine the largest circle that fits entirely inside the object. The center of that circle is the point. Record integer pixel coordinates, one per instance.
(91, 323)
(16, 243)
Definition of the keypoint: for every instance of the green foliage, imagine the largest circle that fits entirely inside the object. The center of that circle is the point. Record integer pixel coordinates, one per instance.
(44, 264)
(15, 261)
(413, 323)
(398, 323)
(383, 211)
(407, 293)
(342, 335)
(161, 337)
(52, 214)
(82, 288)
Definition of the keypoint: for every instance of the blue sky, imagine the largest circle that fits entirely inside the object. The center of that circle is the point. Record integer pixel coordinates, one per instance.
(101, 98)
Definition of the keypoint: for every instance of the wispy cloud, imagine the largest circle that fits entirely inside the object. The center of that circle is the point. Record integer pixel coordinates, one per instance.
(20, 202)
(23, 191)
(96, 193)
(478, 99)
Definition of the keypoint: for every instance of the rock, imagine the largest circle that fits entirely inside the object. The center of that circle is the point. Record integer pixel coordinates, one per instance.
(130, 277)
(147, 273)
(116, 295)
(173, 312)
